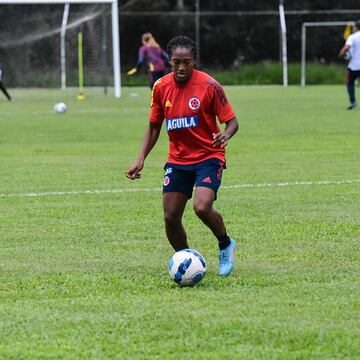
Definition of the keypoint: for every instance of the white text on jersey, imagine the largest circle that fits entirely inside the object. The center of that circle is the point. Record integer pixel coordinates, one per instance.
(182, 123)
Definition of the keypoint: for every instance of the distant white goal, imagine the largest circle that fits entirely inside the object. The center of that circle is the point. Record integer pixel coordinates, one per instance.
(41, 49)
(306, 25)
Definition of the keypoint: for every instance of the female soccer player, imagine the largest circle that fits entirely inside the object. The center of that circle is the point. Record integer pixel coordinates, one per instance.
(189, 101)
(153, 56)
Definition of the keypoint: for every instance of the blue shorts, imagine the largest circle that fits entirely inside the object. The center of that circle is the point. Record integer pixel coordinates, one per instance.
(183, 178)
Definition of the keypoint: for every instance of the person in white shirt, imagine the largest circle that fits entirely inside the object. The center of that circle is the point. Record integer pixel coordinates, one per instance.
(352, 47)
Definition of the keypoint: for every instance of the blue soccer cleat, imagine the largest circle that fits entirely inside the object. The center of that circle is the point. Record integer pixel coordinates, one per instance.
(226, 259)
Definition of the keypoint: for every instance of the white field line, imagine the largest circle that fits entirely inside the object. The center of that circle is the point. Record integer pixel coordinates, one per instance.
(236, 186)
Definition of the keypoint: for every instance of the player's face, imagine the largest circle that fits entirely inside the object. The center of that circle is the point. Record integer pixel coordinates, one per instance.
(183, 62)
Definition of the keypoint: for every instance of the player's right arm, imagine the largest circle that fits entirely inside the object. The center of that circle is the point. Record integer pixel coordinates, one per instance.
(344, 50)
(139, 62)
(150, 139)
(346, 47)
(152, 133)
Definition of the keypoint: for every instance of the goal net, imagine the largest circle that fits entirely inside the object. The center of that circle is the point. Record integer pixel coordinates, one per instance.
(39, 44)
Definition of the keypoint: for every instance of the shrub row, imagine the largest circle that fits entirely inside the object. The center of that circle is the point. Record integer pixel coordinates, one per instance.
(265, 74)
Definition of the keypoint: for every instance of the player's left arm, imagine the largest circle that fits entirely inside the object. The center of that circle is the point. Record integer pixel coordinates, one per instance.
(224, 113)
(222, 138)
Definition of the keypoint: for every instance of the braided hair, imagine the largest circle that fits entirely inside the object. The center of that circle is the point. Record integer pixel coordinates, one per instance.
(181, 42)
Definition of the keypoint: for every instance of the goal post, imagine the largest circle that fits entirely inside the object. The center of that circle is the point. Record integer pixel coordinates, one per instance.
(62, 45)
(283, 43)
(115, 29)
(304, 27)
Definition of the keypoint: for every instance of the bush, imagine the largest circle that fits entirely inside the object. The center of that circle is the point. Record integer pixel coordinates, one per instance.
(271, 73)
(265, 74)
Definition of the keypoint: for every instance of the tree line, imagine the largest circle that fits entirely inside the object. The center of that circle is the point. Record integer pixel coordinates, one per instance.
(230, 33)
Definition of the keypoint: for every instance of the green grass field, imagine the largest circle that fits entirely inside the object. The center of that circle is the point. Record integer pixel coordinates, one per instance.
(83, 254)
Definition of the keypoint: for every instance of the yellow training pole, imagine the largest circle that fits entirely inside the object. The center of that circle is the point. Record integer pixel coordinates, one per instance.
(81, 68)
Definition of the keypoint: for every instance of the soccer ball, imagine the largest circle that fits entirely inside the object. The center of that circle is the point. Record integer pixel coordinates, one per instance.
(187, 267)
(60, 108)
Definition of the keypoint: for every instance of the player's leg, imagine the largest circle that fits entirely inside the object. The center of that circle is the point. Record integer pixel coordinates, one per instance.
(203, 206)
(2, 87)
(208, 180)
(177, 190)
(351, 88)
(356, 76)
(157, 75)
(151, 79)
(174, 204)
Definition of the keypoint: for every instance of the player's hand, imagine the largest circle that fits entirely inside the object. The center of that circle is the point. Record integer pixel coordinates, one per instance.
(134, 172)
(132, 71)
(220, 139)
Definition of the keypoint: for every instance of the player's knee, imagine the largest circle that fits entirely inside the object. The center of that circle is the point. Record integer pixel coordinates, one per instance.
(171, 219)
(202, 209)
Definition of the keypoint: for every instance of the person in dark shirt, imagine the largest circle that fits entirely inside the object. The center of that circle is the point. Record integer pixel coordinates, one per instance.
(153, 57)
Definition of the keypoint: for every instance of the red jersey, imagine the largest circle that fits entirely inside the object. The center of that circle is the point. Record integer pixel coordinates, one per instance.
(190, 111)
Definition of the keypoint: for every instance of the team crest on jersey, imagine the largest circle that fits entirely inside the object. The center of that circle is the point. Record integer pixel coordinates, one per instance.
(166, 181)
(194, 103)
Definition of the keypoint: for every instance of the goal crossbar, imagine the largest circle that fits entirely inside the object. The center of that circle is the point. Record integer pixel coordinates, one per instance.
(45, 2)
(303, 40)
(115, 28)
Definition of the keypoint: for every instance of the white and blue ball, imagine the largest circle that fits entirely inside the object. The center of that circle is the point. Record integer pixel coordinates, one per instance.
(187, 267)
(60, 108)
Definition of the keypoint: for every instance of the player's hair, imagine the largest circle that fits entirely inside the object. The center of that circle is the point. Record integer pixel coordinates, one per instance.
(146, 37)
(181, 42)
(149, 40)
(357, 24)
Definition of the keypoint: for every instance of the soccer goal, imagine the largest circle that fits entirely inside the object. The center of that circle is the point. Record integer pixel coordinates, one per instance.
(304, 27)
(41, 48)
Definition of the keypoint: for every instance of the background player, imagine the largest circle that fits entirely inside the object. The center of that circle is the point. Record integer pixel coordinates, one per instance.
(189, 102)
(2, 86)
(352, 45)
(153, 56)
